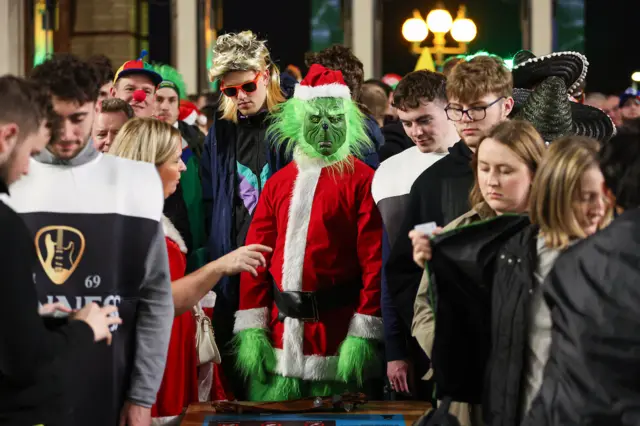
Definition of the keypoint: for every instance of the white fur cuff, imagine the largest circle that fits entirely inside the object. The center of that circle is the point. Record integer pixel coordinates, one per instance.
(334, 90)
(366, 326)
(251, 318)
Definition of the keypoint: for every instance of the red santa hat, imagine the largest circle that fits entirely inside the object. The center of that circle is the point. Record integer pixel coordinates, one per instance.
(190, 114)
(321, 82)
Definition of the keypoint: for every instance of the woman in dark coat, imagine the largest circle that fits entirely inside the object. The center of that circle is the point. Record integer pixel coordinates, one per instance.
(567, 203)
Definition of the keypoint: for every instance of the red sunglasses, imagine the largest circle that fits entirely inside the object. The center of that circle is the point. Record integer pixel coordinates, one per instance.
(248, 87)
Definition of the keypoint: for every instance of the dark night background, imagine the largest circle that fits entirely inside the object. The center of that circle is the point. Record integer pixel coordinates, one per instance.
(610, 32)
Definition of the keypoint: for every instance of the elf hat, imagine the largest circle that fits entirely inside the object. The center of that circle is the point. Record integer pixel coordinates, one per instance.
(529, 69)
(321, 82)
(391, 80)
(138, 67)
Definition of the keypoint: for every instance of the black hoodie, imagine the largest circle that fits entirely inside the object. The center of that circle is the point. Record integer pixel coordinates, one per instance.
(31, 388)
(439, 195)
(395, 140)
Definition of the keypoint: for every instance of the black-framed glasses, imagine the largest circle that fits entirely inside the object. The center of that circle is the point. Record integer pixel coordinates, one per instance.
(477, 113)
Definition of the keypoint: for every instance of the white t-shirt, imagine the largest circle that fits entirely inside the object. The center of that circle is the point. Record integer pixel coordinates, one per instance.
(392, 183)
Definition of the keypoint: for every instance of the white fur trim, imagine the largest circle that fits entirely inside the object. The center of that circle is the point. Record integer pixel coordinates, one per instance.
(205, 381)
(333, 90)
(316, 367)
(191, 118)
(209, 300)
(366, 326)
(172, 233)
(251, 318)
(305, 162)
(295, 245)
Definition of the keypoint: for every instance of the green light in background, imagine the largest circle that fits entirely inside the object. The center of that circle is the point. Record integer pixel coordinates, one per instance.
(42, 38)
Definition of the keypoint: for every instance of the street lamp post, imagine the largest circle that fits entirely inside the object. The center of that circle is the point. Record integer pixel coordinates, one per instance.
(439, 22)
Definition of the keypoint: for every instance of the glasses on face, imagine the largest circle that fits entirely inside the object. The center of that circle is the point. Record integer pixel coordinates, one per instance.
(247, 87)
(477, 113)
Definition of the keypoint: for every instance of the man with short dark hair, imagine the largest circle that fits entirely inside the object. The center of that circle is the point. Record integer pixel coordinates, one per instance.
(96, 224)
(111, 116)
(479, 97)
(420, 99)
(32, 346)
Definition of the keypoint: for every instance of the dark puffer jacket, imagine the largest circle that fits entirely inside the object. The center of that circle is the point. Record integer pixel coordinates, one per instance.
(592, 377)
(513, 284)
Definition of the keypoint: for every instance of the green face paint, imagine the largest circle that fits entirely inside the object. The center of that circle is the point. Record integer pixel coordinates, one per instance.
(325, 125)
(328, 129)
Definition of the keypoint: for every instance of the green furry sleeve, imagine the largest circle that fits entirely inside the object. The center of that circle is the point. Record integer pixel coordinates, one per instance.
(356, 355)
(255, 356)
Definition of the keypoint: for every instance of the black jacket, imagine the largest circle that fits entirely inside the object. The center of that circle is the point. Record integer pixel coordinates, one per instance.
(395, 140)
(440, 194)
(592, 377)
(513, 284)
(33, 350)
(462, 269)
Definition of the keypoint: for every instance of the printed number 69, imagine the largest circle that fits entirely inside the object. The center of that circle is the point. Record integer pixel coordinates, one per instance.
(92, 281)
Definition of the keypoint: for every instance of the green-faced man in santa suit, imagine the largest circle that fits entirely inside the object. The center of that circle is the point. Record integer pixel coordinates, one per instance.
(309, 323)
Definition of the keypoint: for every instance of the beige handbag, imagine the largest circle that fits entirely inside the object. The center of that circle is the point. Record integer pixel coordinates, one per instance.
(205, 339)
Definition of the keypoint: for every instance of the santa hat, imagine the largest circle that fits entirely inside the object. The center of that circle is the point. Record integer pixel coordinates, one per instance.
(391, 80)
(321, 82)
(190, 114)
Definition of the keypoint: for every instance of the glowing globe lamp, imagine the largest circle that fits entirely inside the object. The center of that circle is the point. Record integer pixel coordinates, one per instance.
(464, 30)
(415, 30)
(439, 21)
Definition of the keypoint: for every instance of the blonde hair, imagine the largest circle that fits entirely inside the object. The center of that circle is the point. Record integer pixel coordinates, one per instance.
(482, 75)
(520, 137)
(146, 139)
(555, 186)
(244, 52)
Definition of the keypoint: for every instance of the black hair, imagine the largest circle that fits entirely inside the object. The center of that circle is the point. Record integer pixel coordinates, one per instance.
(67, 77)
(418, 87)
(620, 165)
(25, 104)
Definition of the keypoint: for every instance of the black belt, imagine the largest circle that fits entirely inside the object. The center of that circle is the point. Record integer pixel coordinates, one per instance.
(307, 305)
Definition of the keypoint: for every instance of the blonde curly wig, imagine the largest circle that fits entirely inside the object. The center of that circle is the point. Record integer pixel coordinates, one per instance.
(244, 52)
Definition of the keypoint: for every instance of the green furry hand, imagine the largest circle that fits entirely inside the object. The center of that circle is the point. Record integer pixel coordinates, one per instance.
(255, 356)
(355, 356)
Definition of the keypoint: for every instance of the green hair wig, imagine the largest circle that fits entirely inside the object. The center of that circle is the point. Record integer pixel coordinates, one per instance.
(287, 130)
(171, 74)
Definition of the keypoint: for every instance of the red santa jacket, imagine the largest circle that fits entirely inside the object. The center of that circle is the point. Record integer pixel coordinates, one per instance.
(179, 386)
(325, 230)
